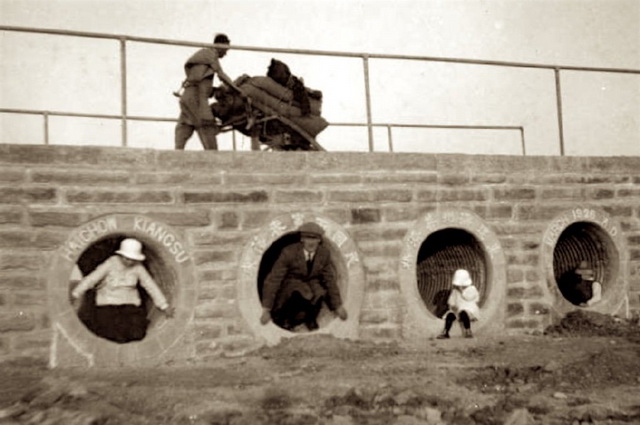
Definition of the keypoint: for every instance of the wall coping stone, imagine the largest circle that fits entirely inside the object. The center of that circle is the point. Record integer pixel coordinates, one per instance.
(165, 160)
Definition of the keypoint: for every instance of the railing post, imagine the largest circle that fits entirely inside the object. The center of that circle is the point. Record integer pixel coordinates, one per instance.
(46, 127)
(367, 92)
(559, 108)
(123, 88)
(390, 138)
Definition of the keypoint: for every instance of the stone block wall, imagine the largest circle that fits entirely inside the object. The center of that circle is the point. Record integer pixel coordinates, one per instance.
(207, 218)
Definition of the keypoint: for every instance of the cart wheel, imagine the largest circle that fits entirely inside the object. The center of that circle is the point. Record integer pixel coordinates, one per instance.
(315, 146)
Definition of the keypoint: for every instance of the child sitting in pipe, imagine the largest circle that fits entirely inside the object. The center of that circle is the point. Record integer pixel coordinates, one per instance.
(586, 290)
(119, 315)
(463, 304)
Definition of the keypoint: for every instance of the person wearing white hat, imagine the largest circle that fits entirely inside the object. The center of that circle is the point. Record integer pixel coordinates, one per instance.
(119, 315)
(463, 304)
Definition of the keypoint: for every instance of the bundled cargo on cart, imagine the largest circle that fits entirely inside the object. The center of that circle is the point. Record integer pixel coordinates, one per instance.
(276, 110)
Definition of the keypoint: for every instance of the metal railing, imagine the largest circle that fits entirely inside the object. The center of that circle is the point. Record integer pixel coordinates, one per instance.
(124, 117)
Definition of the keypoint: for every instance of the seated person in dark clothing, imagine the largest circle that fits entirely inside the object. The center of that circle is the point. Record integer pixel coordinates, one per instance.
(584, 290)
(302, 279)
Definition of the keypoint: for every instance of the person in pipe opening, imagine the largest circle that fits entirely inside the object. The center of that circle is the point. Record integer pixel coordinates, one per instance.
(301, 279)
(119, 315)
(463, 304)
(586, 290)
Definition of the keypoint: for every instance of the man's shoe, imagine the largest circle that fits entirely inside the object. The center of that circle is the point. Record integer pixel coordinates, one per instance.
(443, 335)
(467, 333)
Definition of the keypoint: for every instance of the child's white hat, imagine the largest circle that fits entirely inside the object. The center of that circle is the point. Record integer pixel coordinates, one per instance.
(462, 278)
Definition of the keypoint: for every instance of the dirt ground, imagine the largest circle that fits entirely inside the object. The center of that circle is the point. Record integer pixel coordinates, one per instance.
(586, 370)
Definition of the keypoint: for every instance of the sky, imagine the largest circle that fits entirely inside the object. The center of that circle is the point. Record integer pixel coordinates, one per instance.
(601, 110)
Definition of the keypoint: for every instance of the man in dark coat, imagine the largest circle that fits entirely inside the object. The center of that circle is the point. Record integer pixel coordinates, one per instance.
(195, 113)
(302, 279)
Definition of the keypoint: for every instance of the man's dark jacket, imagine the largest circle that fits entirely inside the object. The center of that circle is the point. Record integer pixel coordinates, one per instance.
(289, 274)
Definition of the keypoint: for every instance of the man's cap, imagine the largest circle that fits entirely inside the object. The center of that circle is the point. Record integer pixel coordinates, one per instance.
(311, 228)
(221, 39)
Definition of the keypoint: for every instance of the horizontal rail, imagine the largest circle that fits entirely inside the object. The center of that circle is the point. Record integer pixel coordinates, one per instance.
(388, 125)
(320, 52)
(337, 124)
(83, 115)
(444, 126)
(58, 113)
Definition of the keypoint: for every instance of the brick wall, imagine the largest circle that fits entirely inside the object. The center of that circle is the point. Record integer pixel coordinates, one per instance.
(216, 202)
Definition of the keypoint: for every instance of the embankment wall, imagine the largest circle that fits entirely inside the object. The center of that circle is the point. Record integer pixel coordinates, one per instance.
(396, 224)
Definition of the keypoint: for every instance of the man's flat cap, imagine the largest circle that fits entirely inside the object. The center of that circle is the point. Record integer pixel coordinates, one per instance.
(311, 228)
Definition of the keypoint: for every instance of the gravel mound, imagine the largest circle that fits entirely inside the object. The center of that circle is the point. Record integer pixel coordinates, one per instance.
(589, 323)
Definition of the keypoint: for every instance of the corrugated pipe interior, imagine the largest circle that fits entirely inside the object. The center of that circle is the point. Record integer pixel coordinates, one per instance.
(440, 255)
(585, 241)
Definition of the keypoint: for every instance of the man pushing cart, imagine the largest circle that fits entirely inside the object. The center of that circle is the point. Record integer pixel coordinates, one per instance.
(277, 111)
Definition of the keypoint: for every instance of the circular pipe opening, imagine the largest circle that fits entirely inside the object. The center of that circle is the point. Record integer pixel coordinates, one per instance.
(98, 252)
(168, 262)
(439, 243)
(589, 234)
(584, 241)
(440, 255)
(253, 266)
(273, 252)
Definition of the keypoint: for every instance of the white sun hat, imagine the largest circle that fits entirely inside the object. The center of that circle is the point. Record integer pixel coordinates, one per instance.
(462, 278)
(132, 249)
